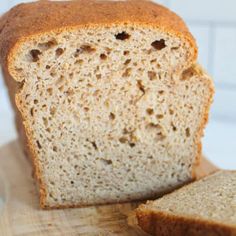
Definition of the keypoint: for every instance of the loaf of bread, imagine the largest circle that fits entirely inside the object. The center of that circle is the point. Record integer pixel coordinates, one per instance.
(205, 207)
(108, 98)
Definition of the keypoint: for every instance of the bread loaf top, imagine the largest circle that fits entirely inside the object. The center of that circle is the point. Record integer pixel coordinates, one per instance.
(29, 19)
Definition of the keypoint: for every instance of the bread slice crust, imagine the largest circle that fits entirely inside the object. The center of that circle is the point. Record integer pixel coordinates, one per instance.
(178, 226)
(163, 223)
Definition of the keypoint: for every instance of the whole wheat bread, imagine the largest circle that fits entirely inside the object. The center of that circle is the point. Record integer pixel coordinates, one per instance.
(104, 98)
(205, 207)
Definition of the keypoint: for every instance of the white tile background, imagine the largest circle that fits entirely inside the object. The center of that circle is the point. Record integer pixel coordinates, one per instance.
(213, 23)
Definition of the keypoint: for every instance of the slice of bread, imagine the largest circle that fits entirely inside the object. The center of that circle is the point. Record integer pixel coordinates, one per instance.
(108, 107)
(205, 207)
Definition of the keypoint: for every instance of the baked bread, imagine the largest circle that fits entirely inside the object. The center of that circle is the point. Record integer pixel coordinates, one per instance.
(205, 207)
(104, 95)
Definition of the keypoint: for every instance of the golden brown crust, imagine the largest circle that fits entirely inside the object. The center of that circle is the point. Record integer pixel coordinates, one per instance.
(164, 224)
(29, 19)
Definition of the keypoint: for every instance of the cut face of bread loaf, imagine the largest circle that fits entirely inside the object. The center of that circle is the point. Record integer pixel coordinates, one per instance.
(206, 207)
(107, 112)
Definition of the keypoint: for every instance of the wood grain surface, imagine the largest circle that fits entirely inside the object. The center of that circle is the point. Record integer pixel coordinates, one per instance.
(21, 216)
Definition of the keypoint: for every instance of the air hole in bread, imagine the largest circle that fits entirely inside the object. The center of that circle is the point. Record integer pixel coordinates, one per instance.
(154, 126)
(103, 56)
(76, 54)
(160, 136)
(108, 50)
(20, 85)
(112, 116)
(148, 51)
(86, 109)
(98, 76)
(48, 130)
(157, 130)
(127, 62)
(106, 162)
(48, 67)
(153, 61)
(159, 44)
(54, 148)
(35, 53)
(53, 73)
(126, 53)
(38, 144)
(122, 36)
(47, 45)
(52, 111)
(150, 111)
(173, 127)
(45, 121)
(79, 62)
(60, 80)
(132, 145)
(187, 74)
(59, 52)
(127, 72)
(69, 92)
(87, 48)
(152, 75)
(171, 112)
(159, 116)
(187, 131)
(36, 101)
(61, 88)
(141, 86)
(174, 48)
(84, 49)
(94, 145)
(32, 112)
(50, 91)
(123, 140)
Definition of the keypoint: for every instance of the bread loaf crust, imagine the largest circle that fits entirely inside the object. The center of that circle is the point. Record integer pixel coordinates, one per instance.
(27, 20)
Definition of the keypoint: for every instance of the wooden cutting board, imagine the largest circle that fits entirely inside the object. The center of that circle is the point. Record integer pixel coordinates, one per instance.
(21, 214)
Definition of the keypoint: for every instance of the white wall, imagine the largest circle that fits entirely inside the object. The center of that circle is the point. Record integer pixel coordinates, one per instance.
(213, 23)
